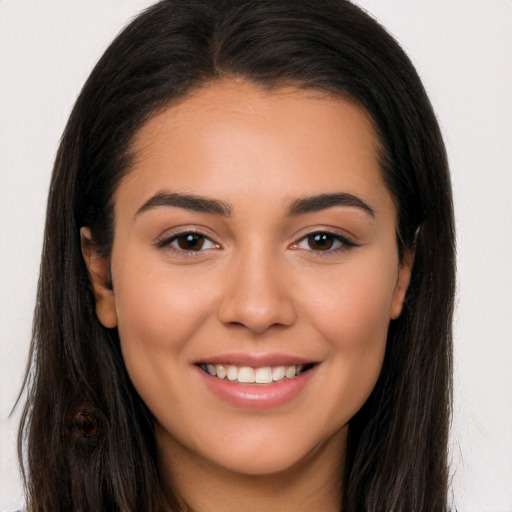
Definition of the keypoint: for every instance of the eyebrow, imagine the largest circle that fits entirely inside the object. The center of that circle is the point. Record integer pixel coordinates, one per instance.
(223, 208)
(324, 201)
(188, 202)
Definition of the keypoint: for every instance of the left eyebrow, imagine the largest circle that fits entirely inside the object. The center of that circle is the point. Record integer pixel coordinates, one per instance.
(187, 202)
(324, 201)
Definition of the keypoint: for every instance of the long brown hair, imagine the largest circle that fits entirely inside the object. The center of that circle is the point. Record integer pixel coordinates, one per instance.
(86, 437)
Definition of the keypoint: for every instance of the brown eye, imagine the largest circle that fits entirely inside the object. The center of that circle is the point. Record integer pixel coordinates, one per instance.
(187, 242)
(321, 241)
(324, 241)
(190, 241)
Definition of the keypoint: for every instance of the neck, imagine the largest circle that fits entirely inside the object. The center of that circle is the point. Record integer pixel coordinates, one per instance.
(313, 483)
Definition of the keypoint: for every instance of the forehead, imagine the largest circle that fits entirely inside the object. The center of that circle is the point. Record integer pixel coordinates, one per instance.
(233, 136)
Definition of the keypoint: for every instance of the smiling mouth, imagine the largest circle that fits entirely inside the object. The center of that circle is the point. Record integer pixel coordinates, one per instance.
(251, 375)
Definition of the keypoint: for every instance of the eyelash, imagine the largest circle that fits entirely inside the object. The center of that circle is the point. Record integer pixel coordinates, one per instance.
(343, 243)
(167, 242)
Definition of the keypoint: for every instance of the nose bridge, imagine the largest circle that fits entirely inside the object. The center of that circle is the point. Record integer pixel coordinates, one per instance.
(255, 294)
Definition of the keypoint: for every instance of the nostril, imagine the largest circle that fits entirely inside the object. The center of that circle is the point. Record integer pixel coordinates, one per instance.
(256, 301)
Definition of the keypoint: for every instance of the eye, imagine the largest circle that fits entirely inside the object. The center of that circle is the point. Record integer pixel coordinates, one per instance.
(188, 242)
(323, 241)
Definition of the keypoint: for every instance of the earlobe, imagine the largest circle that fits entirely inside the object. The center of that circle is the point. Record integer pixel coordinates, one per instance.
(99, 274)
(402, 284)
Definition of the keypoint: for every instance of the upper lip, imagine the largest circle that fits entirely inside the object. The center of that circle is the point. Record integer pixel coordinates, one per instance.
(256, 360)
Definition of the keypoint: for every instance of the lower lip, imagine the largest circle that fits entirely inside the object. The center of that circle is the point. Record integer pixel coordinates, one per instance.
(257, 396)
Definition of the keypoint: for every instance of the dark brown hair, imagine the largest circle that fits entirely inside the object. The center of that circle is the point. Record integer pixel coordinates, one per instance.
(89, 437)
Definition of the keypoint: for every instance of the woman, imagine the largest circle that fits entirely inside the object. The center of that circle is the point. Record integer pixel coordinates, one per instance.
(247, 280)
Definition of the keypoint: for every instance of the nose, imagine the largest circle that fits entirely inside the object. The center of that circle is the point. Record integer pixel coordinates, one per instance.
(256, 295)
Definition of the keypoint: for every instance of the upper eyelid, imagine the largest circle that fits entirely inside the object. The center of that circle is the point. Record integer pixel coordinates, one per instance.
(168, 237)
(183, 230)
(345, 240)
(338, 233)
(165, 239)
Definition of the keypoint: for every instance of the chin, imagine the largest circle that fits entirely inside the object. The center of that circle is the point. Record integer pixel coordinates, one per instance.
(262, 464)
(275, 454)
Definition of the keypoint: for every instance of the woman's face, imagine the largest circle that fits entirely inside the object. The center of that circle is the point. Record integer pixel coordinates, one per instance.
(254, 237)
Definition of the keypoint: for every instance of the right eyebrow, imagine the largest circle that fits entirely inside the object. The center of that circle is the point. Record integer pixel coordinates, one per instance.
(324, 201)
(188, 202)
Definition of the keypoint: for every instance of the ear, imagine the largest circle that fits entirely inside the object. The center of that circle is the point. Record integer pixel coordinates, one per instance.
(99, 274)
(402, 283)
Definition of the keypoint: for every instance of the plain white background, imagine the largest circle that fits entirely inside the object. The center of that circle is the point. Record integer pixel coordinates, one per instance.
(462, 50)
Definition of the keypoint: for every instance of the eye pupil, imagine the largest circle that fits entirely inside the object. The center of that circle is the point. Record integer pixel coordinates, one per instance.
(320, 241)
(190, 242)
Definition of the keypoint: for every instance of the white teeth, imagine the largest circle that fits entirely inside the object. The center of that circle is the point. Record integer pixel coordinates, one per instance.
(246, 375)
(232, 373)
(221, 371)
(249, 375)
(290, 372)
(278, 373)
(263, 375)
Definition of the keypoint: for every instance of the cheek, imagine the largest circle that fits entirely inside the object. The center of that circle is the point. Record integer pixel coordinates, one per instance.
(158, 314)
(160, 305)
(352, 305)
(351, 311)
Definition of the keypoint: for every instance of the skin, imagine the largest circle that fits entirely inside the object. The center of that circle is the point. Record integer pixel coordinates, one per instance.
(256, 286)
